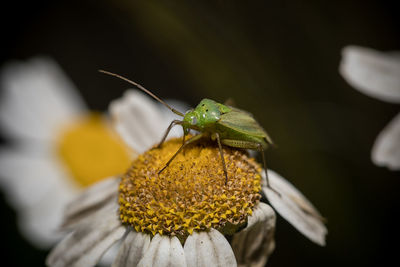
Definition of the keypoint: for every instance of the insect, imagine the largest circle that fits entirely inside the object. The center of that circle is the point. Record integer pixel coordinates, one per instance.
(227, 125)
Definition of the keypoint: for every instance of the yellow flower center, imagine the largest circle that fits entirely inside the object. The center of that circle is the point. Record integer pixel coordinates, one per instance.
(91, 151)
(191, 193)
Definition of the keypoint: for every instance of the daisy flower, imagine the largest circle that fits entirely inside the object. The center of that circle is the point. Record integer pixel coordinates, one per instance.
(185, 216)
(56, 146)
(377, 74)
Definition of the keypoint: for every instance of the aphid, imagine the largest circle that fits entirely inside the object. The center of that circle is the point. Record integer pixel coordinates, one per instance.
(227, 125)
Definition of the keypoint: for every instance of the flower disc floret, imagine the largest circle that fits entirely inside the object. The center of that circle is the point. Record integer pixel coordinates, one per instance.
(190, 194)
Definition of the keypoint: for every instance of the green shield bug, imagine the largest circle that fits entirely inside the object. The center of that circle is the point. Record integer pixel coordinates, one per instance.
(227, 125)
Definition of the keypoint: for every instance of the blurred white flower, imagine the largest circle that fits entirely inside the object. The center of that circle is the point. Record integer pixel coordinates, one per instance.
(55, 146)
(377, 74)
(135, 211)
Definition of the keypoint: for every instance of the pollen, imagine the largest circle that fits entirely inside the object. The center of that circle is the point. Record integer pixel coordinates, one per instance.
(90, 151)
(191, 194)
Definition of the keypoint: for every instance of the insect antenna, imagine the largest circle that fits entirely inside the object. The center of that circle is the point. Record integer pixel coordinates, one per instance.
(144, 90)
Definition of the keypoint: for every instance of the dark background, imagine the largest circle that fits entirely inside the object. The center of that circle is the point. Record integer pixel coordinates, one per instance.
(276, 59)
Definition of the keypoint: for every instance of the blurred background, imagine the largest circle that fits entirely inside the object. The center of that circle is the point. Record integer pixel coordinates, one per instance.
(277, 59)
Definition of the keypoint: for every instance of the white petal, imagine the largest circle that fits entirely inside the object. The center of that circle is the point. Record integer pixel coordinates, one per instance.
(93, 197)
(141, 122)
(177, 131)
(109, 256)
(138, 121)
(40, 223)
(87, 215)
(28, 177)
(372, 72)
(386, 150)
(255, 243)
(38, 189)
(295, 208)
(36, 98)
(88, 243)
(208, 249)
(132, 249)
(163, 251)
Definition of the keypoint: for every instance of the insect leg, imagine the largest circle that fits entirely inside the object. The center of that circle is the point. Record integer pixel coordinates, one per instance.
(251, 145)
(191, 140)
(173, 123)
(222, 157)
(260, 148)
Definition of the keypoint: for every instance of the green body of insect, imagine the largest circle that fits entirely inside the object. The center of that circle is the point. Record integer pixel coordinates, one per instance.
(227, 125)
(230, 123)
